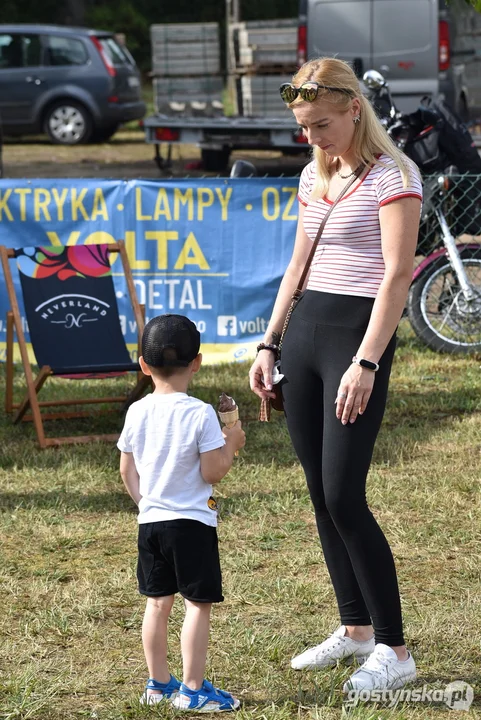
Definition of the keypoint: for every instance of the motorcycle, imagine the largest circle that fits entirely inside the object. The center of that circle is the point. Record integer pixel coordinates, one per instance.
(444, 302)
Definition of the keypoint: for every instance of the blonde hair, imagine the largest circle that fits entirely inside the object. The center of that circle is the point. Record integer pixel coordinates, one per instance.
(370, 137)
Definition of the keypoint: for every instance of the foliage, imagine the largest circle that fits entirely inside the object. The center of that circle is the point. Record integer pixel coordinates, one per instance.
(476, 4)
(71, 615)
(134, 19)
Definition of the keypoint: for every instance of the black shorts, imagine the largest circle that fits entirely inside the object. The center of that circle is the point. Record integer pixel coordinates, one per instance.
(179, 556)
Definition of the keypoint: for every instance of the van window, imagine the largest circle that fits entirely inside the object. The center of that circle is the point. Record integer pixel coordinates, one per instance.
(65, 51)
(17, 50)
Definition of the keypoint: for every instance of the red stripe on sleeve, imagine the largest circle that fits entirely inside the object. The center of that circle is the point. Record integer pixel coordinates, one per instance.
(398, 197)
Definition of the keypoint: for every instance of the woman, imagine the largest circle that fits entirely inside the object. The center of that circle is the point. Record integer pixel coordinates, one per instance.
(338, 350)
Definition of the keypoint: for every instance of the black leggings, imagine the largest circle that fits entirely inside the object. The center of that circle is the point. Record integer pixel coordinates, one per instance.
(324, 333)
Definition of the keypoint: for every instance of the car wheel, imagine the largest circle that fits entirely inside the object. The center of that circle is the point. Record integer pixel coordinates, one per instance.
(68, 123)
(103, 134)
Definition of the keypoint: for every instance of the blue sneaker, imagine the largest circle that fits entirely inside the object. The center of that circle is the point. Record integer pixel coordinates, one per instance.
(162, 691)
(207, 699)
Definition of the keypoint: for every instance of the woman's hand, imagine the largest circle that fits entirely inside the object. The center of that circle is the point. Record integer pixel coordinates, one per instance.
(260, 374)
(354, 392)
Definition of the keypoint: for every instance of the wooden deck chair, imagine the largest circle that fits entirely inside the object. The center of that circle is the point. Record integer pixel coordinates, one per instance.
(74, 326)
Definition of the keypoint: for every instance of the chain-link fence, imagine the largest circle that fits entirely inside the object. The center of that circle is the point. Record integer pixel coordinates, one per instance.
(459, 198)
(444, 305)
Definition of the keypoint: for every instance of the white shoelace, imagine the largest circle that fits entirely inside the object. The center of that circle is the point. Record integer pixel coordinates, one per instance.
(330, 647)
(378, 666)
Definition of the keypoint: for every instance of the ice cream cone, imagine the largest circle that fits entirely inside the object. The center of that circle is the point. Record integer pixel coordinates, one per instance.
(231, 416)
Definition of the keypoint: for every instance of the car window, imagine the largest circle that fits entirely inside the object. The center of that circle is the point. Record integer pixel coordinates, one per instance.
(17, 50)
(115, 52)
(65, 51)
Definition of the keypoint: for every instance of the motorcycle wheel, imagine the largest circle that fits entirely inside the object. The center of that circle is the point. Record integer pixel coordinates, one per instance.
(440, 315)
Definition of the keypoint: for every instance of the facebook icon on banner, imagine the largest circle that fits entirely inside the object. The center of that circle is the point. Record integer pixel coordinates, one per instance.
(226, 325)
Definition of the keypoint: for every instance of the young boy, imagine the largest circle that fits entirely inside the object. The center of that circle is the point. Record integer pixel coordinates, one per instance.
(172, 451)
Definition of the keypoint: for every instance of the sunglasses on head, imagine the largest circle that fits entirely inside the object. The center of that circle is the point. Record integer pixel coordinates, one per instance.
(308, 91)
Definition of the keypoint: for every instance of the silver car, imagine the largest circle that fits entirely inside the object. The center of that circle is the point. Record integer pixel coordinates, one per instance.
(74, 84)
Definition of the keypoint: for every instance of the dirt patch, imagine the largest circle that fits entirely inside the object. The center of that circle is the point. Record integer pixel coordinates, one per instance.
(126, 156)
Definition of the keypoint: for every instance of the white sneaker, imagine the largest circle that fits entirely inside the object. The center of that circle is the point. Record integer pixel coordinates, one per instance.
(338, 646)
(382, 671)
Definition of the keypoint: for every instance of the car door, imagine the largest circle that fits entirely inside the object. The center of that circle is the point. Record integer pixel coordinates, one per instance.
(20, 83)
(340, 28)
(66, 63)
(405, 44)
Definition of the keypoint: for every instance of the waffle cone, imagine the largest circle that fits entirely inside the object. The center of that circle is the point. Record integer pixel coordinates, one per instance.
(230, 418)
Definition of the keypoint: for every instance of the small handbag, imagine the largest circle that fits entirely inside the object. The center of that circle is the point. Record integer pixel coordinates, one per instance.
(278, 402)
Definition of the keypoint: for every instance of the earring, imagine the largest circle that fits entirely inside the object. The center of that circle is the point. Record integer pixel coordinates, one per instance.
(356, 119)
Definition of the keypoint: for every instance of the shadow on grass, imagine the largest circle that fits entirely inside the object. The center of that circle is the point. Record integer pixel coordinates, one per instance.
(68, 501)
(268, 445)
(412, 417)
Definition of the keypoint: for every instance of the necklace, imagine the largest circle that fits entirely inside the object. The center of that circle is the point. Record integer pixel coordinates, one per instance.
(344, 177)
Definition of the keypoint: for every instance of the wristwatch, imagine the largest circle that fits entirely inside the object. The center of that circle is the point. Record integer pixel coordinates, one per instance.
(368, 364)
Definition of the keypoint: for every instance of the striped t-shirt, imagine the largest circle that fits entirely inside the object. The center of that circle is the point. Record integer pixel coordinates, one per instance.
(348, 259)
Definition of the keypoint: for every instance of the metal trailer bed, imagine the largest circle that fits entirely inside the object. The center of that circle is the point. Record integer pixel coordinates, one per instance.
(218, 136)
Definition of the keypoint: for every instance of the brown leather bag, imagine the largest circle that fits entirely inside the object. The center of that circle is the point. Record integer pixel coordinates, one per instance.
(278, 402)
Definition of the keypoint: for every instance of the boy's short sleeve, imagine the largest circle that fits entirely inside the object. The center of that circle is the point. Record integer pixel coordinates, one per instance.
(389, 186)
(306, 182)
(210, 435)
(124, 442)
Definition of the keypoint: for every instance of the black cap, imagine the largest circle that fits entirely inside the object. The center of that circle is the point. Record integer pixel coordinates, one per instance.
(175, 333)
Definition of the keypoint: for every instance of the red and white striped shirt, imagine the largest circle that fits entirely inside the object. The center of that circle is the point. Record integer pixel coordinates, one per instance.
(348, 259)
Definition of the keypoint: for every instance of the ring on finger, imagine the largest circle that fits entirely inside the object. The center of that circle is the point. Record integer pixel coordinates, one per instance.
(342, 395)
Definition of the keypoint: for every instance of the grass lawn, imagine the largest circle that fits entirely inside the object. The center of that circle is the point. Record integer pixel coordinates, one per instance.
(71, 616)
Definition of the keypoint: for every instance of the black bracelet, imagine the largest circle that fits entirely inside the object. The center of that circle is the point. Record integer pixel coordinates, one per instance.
(268, 346)
(368, 364)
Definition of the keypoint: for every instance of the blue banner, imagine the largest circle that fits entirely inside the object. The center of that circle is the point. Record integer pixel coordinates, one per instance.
(212, 249)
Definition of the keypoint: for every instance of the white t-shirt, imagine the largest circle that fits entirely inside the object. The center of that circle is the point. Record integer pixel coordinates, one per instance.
(166, 434)
(348, 259)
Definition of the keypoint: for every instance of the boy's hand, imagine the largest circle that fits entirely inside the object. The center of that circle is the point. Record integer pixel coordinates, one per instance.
(235, 436)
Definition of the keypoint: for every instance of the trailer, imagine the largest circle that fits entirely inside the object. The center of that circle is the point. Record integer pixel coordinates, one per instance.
(218, 136)
(237, 107)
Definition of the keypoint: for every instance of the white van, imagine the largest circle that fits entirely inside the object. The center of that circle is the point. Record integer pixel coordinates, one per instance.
(422, 47)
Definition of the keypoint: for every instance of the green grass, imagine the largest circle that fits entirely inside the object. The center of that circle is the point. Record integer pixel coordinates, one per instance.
(71, 616)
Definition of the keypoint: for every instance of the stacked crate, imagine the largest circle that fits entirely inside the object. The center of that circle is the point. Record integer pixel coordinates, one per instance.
(264, 46)
(262, 55)
(259, 95)
(186, 69)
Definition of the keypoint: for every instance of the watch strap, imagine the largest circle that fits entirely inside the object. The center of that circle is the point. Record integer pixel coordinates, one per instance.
(368, 364)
